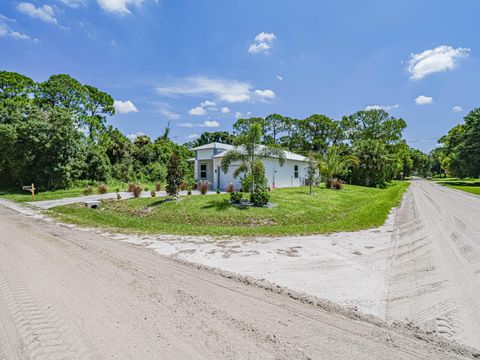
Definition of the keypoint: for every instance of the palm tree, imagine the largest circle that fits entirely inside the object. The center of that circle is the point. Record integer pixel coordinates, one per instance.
(249, 152)
(332, 164)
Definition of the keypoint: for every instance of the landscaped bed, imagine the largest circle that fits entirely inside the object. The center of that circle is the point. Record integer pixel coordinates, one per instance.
(350, 209)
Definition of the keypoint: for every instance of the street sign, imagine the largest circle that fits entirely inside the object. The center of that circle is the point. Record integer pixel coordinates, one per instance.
(30, 188)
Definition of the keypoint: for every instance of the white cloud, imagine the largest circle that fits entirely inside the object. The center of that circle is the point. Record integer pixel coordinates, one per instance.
(187, 125)
(210, 124)
(238, 115)
(119, 7)
(262, 44)
(249, 113)
(457, 109)
(193, 136)
(441, 58)
(197, 111)
(124, 107)
(74, 3)
(279, 77)
(44, 13)
(423, 100)
(6, 31)
(231, 91)
(208, 104)
(169, 114)
(265, 94)
(225, 110)
(133, 137)
(382, 107)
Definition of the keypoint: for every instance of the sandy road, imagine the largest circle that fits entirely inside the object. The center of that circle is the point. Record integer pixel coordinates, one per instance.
(434, 276)
(71, 294)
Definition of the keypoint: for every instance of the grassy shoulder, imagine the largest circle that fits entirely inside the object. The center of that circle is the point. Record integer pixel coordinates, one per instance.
(350, 209)
(19, 195)
(471, 185)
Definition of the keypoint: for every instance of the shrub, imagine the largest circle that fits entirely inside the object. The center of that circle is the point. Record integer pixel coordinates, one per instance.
(334, 184)
(260, 196)
(137, 190)
(230, 188)
(158, 186)
(189, 192)
(118, 190)
(153, 193)
(218, 191)
(131, 187)
(146, 188)
(119, 197)
(184, 186)
(203, 187)
(87, 190)
(102, 188)
(236, 197)
(174, 175)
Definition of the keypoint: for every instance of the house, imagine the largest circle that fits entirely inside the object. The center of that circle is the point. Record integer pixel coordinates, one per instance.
(208, 159)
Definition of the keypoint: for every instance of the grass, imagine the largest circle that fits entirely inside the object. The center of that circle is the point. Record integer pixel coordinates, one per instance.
(350, 209)
(17, 194)
(471, 185)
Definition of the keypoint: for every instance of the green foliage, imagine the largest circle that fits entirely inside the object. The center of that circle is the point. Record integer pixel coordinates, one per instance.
(236, 197)
(260, 196)
(174, 175)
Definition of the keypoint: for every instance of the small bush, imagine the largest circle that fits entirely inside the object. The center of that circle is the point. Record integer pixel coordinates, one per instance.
(218, 191)
(236, 197)
(119, 197)
(158, 186)
(203, 187)
(131, 187)
(184, 186)
(87, 190)
(334, 184)
(146, 188)
(230, 188)
(102, 188)
(153, 193)
(118, 190)
(189, 192)
(260, 196)
(137, 190)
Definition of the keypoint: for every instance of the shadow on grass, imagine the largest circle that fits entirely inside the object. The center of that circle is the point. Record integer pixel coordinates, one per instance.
(222, 205)
(162, 201)
(460, 183)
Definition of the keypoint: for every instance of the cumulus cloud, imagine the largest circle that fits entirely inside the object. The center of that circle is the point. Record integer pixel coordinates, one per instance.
(266, 94)
(169, 114)
(44, 12)
(124, 107)
(74, 3)
(133, 137)
(382, 107)
(119, 7)
(263, 42)
(6, 31)
(225, 110)
(197, 111)
(457, 109)
(441, 58)
(423, 100)
(231, 91)
(210, 124)
(193, 136)
(238, 115)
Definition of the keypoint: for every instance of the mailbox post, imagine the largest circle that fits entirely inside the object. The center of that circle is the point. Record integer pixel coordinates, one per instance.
(31, 189)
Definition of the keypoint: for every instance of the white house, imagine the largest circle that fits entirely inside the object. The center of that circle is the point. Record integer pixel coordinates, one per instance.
(208, 159)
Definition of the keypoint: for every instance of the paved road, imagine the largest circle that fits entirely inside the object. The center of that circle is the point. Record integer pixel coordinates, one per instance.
(72, 294)
(434, 276)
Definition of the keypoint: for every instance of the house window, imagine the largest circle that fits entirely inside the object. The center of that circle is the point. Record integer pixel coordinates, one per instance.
(295, 171)
(203, 171)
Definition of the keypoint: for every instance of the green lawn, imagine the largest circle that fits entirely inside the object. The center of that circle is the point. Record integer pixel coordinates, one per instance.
(20, 195)
(471, 185)
(350, 209)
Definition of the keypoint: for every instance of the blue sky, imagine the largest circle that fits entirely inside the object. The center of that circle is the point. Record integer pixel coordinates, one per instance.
(199, 64)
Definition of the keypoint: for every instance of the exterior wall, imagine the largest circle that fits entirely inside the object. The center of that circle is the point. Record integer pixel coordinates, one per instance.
(282, 176)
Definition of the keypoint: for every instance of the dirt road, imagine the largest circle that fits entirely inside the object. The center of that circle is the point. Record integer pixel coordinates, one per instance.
(434, 276)
(70, 294)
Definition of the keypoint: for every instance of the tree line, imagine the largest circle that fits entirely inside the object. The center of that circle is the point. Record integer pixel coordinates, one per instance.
(56, 132)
